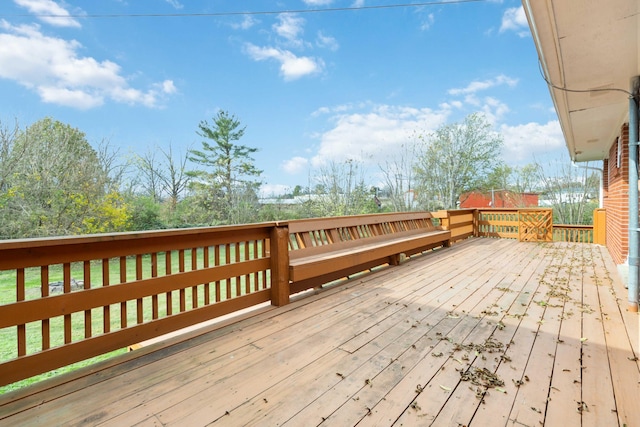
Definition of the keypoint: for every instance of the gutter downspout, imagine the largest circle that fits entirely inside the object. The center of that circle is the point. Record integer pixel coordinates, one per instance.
(633, 205)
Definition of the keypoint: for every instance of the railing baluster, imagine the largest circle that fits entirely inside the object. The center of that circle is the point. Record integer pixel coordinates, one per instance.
(106, 310)
(237, 278)
(227, 256)
(183, 292)
(256, 275)
(263, 255)
(247, 277)
(20, 296)
(139, 305)
(154, 297)
(123, 305)
(216, 262)
(66, 280)
(86, 277)
(169, 295)
(46, 323)
(207, 286)
(194, 289)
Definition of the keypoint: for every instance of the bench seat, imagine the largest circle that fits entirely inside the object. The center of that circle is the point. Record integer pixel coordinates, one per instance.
(333, 257)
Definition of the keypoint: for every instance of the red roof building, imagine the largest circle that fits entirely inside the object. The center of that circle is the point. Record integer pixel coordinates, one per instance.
(498, 199)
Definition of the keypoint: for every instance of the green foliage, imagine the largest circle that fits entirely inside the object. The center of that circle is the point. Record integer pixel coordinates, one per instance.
(55, 185)
(571, 190)
(341, 190)
(399, 179)
(228, 173)
(457, 158)
(145, 214)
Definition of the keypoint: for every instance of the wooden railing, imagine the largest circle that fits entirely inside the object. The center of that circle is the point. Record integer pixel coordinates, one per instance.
(500, 223)
(63, 300)
(573, 233)
(78, 297)
(462, 223)
(530, 224)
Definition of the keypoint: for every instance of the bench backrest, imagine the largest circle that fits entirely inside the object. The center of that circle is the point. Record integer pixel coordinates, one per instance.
(318, 232)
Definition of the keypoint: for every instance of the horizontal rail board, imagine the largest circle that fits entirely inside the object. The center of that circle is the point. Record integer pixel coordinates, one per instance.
(36, 252)
(27, 366)
(23, 312)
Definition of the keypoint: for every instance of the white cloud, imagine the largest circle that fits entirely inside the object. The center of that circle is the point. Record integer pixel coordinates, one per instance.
(371, 136)
(49, 7)
(326, 42)
(175, 3)
(480, 85)
(290, 27)
(273, 190)
(68, 97)
(169, 87)
(494, 110)
(295, 165)
(335, 109)
(53, 68)
(427, 22)
(291, 66)
(372, 133)
(247, 22)
(317, 2)
(524, 143)
(514, 19)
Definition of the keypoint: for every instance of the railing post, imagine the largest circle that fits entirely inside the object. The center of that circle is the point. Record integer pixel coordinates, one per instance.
(599, 227)
(280, 288)
(443, 216)
(476, 223)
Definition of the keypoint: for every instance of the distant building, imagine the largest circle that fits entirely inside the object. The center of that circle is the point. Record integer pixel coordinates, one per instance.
(498, 199)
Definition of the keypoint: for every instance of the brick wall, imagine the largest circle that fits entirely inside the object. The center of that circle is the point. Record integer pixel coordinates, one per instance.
(616, 197)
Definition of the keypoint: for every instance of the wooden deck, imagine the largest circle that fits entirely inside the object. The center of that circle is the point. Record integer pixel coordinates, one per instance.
(487, 332)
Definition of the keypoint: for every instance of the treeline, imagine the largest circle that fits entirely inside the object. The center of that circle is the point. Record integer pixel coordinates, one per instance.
(53, 182)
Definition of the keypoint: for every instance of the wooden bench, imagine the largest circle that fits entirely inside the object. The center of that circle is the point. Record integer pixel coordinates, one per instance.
(325, 249)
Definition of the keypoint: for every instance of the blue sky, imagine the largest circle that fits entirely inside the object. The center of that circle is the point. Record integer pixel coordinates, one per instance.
(310, 87)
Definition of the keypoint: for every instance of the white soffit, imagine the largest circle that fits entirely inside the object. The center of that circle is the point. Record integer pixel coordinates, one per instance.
(587, 45)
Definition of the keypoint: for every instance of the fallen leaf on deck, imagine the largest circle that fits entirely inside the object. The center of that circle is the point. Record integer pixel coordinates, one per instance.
(445, 388)
(582, 407)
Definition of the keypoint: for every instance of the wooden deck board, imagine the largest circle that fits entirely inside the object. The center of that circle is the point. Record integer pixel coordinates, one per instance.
(389, 348)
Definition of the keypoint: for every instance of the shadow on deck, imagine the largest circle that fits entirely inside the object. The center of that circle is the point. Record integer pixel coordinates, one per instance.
(488, 332)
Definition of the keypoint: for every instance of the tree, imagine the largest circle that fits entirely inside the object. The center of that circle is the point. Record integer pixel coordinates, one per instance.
(399, 178)
(111, 163)
(229, 171)
(571, 190)
(149, 172)
(457, 158)
(57, 185)
(341, 190)
(175, 180)
(8, 156)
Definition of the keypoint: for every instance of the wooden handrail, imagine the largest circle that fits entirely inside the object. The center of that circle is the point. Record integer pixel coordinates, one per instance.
(123, 288)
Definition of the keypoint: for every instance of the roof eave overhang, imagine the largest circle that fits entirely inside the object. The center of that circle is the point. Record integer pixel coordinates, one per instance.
(591, 49)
